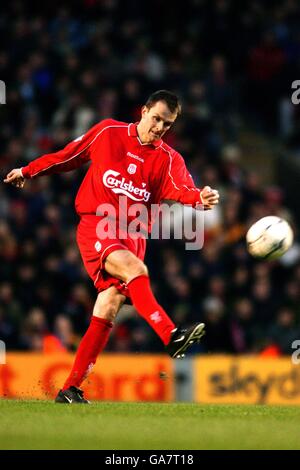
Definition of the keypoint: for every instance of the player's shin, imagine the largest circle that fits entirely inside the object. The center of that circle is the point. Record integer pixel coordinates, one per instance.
(147, 306)
(92, 343)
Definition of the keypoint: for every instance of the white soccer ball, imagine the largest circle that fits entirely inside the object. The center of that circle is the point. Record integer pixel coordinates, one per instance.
(269, 238)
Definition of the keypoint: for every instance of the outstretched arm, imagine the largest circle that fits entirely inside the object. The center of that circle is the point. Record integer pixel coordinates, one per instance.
(178, 185)
(75, 154)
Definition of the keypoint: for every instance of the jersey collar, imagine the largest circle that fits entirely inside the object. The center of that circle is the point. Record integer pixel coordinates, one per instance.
(132, 132)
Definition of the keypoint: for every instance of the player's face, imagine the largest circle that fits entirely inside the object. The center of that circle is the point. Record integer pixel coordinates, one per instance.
(156, 121)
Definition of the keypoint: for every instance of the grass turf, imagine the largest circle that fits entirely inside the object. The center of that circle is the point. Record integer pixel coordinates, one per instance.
(45, 425)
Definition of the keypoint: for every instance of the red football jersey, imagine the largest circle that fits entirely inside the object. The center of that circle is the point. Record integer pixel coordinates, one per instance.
(121, 165)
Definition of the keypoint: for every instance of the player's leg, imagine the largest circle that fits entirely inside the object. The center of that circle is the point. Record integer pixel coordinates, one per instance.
(107, 305)
(127, 267)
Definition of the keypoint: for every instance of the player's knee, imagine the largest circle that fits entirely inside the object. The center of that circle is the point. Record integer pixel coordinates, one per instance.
(136, 269)
(125, 266)
(108, 304)
(108, 311)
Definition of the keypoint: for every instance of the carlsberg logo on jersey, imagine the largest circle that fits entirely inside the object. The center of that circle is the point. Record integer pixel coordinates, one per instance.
(120, 186)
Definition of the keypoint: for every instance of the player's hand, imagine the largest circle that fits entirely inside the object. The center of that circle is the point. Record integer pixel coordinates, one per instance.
(210, 197)
(15, 178)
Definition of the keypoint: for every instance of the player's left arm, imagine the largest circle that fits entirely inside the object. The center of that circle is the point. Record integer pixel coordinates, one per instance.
(178, 185)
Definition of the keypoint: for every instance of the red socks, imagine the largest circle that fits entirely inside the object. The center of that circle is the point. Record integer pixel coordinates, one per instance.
(147, 306)
(92, 343)
(96, 336)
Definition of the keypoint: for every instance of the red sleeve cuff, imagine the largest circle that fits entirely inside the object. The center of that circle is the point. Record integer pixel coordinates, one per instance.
(25, 172)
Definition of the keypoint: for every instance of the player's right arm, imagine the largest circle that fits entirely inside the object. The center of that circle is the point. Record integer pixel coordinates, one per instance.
(75, 154)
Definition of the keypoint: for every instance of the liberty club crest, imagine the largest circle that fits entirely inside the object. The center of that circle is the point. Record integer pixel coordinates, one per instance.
(131, 168)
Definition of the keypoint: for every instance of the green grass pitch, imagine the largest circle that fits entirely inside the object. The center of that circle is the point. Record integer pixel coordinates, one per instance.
(148, 426)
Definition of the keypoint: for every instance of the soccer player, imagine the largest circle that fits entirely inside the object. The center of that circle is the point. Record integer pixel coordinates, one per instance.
(130, 161)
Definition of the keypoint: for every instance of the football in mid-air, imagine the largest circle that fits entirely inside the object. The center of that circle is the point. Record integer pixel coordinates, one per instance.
(269, 238)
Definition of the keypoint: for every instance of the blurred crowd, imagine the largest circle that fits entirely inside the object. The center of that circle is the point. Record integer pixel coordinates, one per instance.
(68, 66)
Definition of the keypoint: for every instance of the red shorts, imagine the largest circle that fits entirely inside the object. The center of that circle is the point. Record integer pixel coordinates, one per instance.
(93, 251)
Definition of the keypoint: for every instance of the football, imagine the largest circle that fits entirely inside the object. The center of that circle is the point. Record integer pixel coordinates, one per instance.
(269, 238)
